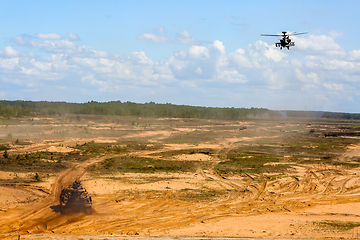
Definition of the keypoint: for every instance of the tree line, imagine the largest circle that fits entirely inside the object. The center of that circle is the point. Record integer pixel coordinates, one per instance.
(11, 109)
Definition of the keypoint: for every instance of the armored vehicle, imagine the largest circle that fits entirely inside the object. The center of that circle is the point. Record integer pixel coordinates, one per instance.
(75, 199)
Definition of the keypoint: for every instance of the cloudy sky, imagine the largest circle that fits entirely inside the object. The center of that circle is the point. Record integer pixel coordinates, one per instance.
(199, 53)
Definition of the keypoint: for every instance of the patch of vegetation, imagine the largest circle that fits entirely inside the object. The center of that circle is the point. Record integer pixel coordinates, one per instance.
(170, 153)
(135, 146)
(238, 163)
(194, 195)
(99, 148)
(193, 137)
(104, 148)
(37, 177)
(39, 161)
(199, 195)
(314, 150)
(339, 226)
(3, 147)
(6, 155)
(134, 164)
(299, 148)
(142, 180)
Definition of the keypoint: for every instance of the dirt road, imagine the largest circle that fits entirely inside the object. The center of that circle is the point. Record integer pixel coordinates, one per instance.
(36, 217)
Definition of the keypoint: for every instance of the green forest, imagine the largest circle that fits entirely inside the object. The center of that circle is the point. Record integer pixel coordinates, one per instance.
(17, 109)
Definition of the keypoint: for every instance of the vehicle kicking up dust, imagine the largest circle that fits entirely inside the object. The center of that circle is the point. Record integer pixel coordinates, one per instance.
(75, 199)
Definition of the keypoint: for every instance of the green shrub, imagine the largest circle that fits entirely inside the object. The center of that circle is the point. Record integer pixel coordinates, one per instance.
(6, 155)
(37, 177)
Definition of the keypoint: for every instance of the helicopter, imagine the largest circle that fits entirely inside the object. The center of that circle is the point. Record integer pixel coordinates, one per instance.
(285, 41)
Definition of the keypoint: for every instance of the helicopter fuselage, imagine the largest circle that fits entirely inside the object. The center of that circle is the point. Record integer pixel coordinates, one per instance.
(285, 42)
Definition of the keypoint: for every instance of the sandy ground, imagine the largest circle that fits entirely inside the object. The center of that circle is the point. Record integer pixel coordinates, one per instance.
(131, 206)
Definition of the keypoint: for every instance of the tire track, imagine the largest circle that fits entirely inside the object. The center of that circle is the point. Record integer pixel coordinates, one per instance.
(32, 217)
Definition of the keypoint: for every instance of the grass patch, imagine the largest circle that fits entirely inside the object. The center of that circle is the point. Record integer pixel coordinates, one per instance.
(255, 163)
(38, 162)
(133, 164)
(199, 195)
(3, 147)
(140, 180)
(100, 148)
(171, 153)
(193, 137)
(186, 195)
(104, 148)
(298, 149)
(339, 226)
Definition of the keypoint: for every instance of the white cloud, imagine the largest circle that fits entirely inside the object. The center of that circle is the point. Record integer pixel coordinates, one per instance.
(232, 76)
(274, 54)
(205, 62)
(22, 39)
(309, 78)
(218, 47)
(48, 36)
(331, 64)
(92, 80)
(154, 38)
(334, 86)
(141, 58)
(185, 38)
(9, 52)
(7, 64)
(239, 59)
(73, 36)
(55, 46)
(198, 52)
(59, 46)
(161, 29)
(318, 45)
(198, 70)
(336, 34)
(354, 55)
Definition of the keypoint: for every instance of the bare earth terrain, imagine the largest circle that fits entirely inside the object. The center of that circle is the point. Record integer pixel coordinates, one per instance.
(180, 178)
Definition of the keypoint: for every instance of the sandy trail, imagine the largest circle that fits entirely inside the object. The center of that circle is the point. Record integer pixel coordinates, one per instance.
(36, 217)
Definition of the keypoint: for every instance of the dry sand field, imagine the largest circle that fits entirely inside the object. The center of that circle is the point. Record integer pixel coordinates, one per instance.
(190, 178)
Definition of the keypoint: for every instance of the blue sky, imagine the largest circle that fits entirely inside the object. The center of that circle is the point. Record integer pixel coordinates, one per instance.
(200, 53)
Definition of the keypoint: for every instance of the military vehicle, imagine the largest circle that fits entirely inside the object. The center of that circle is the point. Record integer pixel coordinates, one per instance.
(75, 199)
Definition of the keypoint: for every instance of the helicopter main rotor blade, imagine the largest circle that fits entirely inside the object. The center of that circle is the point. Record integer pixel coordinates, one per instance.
(272, 35)
(299, 33)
